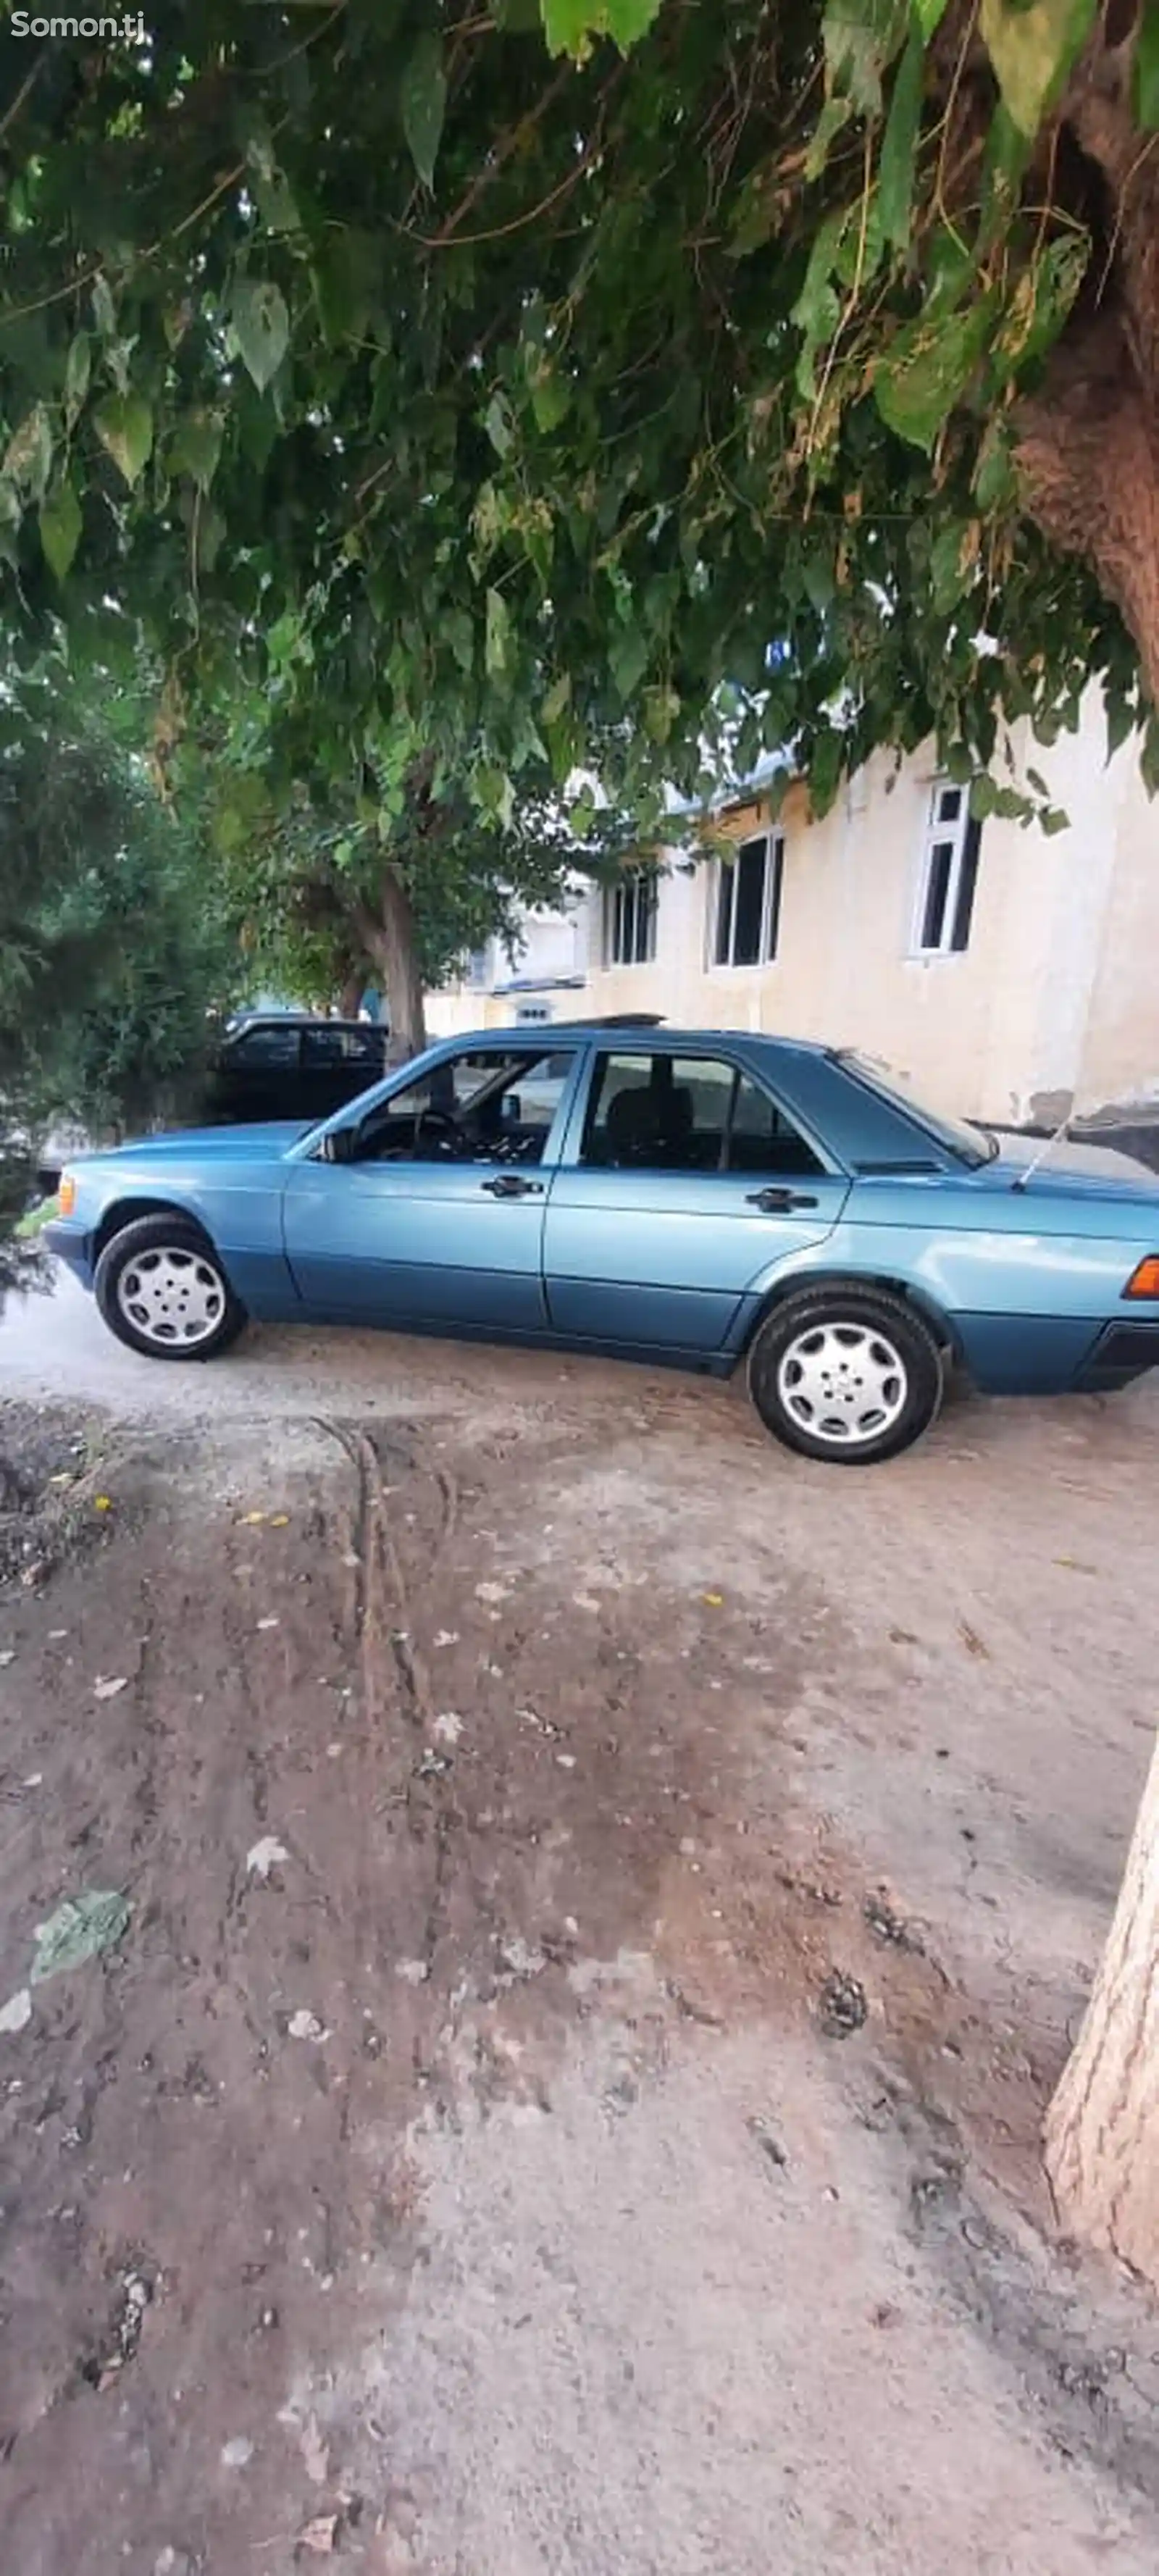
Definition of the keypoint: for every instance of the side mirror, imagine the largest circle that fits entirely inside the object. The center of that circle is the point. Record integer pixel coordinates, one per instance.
(340, 1145)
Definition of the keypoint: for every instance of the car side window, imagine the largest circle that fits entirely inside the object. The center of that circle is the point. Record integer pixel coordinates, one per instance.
(497, 1104)
(272, 1046)
(670, 1113)
(336, 1047)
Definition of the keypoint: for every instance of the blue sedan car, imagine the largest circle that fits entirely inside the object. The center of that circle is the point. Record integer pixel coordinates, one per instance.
(704, 1197)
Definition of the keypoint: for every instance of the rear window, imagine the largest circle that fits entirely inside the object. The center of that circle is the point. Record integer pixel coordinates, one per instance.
(968, 1144)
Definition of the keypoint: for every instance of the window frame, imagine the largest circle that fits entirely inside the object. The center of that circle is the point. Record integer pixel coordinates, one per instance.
(961, 834)
(772, 894)
(640, 888)
(240, 1047)
(522, 1057)
(587, 1096)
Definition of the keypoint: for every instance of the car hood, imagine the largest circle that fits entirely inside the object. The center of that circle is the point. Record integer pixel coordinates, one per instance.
(266, 1143)
(1071, 1170)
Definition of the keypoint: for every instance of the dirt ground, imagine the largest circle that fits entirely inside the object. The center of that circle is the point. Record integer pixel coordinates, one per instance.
(608, 1906)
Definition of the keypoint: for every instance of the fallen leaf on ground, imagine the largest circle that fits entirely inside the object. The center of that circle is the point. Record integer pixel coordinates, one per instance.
(63, 1479)
(269, 1623)
(319, 2535)
(446, 1637)
(108, 1690)
(972, 1642)
(80, 1929)
(315, 2454)
(102, 1502)
(279, 1520)
(714, 1600)
(17, 2012)
(250, 1520)
(265, 1856)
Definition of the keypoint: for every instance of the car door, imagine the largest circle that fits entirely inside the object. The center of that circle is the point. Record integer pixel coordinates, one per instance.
(684, 1180)
(438, 1220)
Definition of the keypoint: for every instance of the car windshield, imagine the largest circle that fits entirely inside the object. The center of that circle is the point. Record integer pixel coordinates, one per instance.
(971, 1145)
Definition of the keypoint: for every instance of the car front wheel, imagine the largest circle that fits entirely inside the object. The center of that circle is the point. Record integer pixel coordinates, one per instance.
(844, 1373)
(161, 1288)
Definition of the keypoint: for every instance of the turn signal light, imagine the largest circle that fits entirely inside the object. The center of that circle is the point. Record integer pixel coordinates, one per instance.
(66, 1198)
(1144, 1279)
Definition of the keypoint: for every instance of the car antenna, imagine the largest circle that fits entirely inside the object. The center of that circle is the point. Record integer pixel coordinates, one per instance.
(1046, 1147)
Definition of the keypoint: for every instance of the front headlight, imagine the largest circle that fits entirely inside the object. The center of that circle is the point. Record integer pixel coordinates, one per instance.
(66, 1194)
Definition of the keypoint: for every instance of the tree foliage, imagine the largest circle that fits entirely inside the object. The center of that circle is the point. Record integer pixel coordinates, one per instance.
(478, 401)
(108, 960)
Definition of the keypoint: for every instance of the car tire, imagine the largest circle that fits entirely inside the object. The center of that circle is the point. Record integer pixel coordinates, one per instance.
(162, 1290)
(846, 1373)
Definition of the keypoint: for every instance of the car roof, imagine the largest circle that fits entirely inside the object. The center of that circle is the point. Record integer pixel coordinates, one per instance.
(629, 1032)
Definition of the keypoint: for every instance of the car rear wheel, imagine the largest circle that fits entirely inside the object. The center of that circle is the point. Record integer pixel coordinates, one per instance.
(848, 1374)
(161, 1288)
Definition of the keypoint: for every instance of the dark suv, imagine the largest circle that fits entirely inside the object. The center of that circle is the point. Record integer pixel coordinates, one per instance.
(281, 1067)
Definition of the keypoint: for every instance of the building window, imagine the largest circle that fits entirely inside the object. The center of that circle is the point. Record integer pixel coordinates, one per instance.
(949, 874)
(630, 921)
(748, 903)
(478, 968)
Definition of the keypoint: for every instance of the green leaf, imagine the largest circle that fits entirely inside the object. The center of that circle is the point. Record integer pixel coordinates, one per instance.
(1147, 68)
(196, 447)
(628, 660)
(817, 310)
(550, 398)
(825, 770)
(1053, 821)
(1032, 46)
(861, 38)
(60, 528)
(498, 643)
(570, 25)
(926, 370)
(77, 369)
(896, 168)
(28, 455)
(104, 309)
(994, 478)
(261, 327)
(276, 203)
(124, 426)
(497, 423)
(460, 635)
(423, 102)
(929, 14)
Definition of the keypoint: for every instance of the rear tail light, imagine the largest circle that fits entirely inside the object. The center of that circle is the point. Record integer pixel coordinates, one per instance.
(1144, 1279)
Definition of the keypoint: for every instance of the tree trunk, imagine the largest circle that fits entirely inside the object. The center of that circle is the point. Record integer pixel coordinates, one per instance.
(350, 997)
(1089, 458)
(388, 936)
(1102, 2129)
(1088, 447)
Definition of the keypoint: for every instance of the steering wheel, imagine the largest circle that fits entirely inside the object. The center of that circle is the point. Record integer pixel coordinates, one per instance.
(437, 1127)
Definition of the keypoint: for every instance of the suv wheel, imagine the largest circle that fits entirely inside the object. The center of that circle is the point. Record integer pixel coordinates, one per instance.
(161, 1288)
(846, 1373)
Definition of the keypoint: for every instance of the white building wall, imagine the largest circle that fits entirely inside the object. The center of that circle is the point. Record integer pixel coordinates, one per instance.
(1055, 1000)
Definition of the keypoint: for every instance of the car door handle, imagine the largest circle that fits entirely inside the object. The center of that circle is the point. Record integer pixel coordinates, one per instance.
(511, 1185)
(778, 1202)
